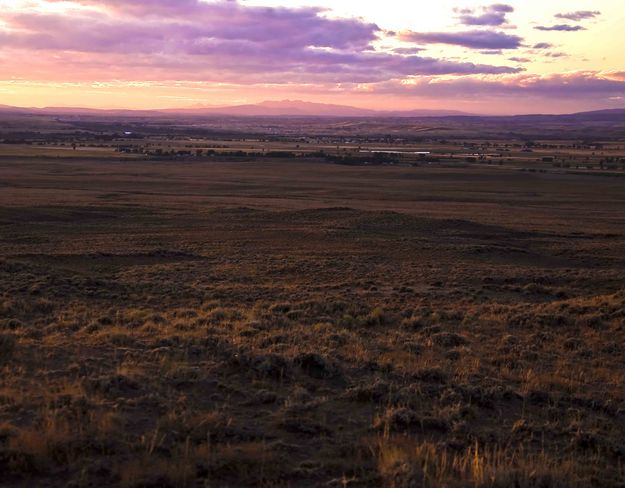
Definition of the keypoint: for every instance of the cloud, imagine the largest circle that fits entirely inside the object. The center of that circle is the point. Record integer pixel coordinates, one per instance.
(579, 15)
(492, 15)
(195, 43)
(137, 24)
(579, 86)
(408, 50)
(222, 41)
(560, 28)
(556, 55)
(476, 39)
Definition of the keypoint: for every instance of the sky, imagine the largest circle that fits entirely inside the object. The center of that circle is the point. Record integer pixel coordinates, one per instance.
(517, 56)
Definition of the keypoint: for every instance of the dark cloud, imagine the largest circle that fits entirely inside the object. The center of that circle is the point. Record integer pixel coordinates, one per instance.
(542, 45)
(408, 50)
(492, 15)
(579, 15)
(555, 55)
(560, 28)
(476, 39)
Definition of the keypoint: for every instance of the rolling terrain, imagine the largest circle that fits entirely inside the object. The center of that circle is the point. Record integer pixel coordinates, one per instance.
(302, 119)
(291, 322)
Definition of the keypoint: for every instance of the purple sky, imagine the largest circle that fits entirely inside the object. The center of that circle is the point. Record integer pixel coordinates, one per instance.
(486, 57)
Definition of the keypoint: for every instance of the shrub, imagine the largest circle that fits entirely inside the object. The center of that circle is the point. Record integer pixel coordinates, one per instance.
(376, 317)
(7, 346)
(448, 339)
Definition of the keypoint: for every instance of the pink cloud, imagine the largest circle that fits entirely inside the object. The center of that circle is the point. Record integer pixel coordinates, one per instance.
(575, 86)
(220, 41)
(192, 42)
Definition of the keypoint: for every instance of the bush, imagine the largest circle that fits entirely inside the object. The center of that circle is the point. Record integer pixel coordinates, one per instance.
(449, 339)
(375, 317)
(7, 346)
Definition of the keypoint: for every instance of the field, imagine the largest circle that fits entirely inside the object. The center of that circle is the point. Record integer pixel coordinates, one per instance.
(184, 320)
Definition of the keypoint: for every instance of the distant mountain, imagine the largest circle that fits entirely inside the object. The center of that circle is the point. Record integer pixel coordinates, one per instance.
(617, 114)
(78, 111)
(75, 111)
(284, 108)
(608, 115)
(10, 109)
(609, 111)
(299, 108)
(425, 113)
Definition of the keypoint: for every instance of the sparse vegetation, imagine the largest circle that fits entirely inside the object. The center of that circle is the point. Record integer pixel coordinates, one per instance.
(299, 323)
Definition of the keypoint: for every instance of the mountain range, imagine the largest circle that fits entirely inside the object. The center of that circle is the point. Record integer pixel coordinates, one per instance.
(284, 108)
(298, 108)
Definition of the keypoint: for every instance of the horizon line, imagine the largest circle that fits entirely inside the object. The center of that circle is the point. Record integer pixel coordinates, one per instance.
(381, 113)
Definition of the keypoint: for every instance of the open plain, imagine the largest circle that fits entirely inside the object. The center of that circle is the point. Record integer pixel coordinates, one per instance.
(295, 322)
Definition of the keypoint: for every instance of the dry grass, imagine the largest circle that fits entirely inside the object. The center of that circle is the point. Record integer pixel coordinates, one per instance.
(403, 462)
(176, 342)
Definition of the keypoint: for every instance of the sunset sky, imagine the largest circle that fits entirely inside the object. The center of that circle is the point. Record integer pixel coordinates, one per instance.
(512, 57)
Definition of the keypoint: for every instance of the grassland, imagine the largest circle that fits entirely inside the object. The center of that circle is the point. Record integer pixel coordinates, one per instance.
(289, 322)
